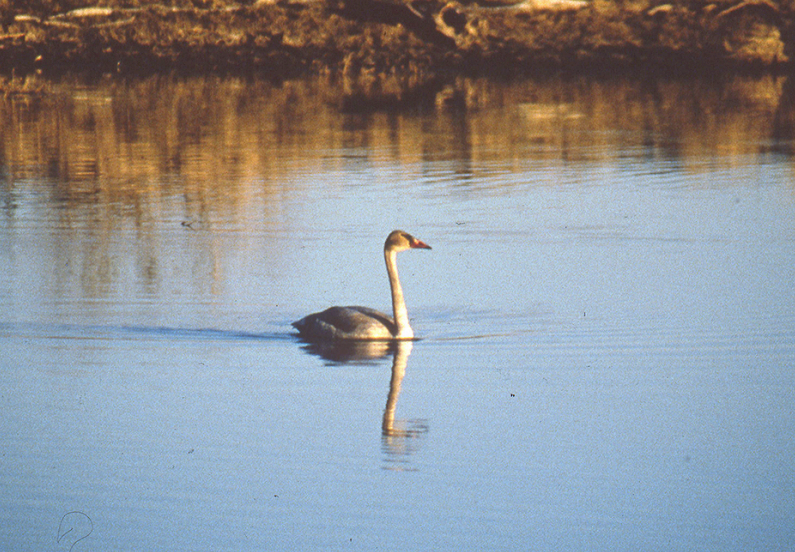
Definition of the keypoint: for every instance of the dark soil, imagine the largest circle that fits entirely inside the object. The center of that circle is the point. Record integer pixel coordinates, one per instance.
(378, 40)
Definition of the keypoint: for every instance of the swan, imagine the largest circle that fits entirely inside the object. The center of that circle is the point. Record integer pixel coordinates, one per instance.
(362, 323)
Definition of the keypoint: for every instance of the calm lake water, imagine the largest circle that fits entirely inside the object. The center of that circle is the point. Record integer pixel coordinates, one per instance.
(607, 317)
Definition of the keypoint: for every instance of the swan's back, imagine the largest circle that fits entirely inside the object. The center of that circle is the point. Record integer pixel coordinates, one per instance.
(358, 323)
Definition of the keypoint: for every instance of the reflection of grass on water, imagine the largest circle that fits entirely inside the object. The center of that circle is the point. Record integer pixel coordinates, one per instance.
(206, 131)
(200, 158)
(376, 39)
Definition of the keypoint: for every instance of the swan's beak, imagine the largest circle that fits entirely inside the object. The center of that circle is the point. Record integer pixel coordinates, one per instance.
(419, 244)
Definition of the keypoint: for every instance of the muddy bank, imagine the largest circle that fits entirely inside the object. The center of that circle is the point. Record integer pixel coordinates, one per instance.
(407, 42)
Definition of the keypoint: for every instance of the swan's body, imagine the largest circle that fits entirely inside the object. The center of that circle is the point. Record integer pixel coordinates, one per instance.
(362, 323)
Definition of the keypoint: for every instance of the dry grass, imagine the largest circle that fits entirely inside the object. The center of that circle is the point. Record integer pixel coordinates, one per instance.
(283, 38)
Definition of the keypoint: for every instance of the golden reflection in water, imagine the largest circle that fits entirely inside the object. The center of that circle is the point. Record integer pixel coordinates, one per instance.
(114, 160)
(209, 137)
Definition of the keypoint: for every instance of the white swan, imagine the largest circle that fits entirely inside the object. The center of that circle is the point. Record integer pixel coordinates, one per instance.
(361, 323)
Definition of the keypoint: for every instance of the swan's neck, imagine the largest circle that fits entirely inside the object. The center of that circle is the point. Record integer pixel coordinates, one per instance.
(398, 303)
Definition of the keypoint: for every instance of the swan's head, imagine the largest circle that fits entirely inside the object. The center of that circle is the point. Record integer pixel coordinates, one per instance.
(399, 240)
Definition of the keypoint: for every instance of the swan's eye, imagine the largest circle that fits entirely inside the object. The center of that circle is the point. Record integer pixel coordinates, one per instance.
(409, 238)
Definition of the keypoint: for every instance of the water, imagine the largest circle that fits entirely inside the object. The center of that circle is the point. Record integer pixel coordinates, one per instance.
(607, 318)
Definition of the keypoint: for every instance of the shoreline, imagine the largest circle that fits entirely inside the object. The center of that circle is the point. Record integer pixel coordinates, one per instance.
(417, 42)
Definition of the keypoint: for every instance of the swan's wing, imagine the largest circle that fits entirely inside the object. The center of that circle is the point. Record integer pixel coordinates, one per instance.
(374, 315)
(346, 323)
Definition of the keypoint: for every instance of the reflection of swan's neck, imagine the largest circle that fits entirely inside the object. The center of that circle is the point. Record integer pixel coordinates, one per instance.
(403, 330)
(398, 371)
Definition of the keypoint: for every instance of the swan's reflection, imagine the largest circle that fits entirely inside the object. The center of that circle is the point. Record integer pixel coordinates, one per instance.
(400, 439)
(343, 352)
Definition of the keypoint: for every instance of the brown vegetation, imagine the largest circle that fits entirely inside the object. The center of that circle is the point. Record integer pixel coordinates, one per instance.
(393, 39)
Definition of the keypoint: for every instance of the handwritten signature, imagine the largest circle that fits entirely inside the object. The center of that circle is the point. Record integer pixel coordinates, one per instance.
(74, 527)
